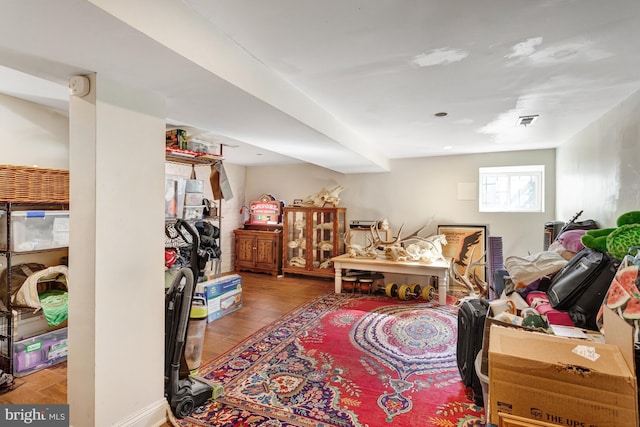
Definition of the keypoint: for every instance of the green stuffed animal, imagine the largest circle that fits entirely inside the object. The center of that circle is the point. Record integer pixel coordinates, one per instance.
(632, 217)
(596, 239)
(615, 241)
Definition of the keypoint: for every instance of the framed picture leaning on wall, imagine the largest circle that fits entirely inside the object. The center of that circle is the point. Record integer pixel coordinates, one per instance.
(465, 244)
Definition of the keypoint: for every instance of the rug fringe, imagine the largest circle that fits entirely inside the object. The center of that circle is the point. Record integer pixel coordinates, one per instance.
(171, 419)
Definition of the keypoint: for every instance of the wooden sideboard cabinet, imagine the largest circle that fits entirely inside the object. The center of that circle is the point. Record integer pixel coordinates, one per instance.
(258, 251)
(312, 236)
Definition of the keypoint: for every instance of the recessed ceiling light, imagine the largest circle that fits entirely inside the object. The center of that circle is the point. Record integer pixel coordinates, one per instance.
(440, 114)
(526, 120)
(447, 147)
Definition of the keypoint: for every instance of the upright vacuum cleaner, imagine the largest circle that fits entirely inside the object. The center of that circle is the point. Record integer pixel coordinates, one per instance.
(183, 391)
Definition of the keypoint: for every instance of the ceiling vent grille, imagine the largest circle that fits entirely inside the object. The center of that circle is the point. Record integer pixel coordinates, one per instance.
(526, 120)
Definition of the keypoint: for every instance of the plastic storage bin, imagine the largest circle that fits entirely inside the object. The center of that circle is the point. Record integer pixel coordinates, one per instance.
(36, 230)
(174, 190)
(39, 352)
(197, 146)
(193, 212)
(193, 199)
(27, 324)
(194, 186)
(196, 329)
(484, 382)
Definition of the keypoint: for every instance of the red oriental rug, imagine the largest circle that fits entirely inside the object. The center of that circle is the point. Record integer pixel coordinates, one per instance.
(344, 360)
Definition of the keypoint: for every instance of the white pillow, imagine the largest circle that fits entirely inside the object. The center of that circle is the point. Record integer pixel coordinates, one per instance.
(525, 270)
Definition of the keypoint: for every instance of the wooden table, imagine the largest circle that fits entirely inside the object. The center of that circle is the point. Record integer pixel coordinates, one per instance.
(438, 269)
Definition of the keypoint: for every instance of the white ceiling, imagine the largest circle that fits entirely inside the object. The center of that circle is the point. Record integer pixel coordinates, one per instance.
(347, 85)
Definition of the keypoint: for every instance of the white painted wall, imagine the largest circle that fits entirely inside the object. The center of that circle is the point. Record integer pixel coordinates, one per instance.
(599, 169)
(416, 191)
(31, 134)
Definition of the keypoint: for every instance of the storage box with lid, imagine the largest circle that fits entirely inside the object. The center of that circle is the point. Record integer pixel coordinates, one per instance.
(39, 352)
(193, 199)
(194, 186)
(193, 212)
(559, 380)
(36, 230)
(201, 146)
(27, 323)
(197, 146)
(174, 191)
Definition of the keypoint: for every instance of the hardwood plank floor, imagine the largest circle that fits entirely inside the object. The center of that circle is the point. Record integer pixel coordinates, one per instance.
(264, 299)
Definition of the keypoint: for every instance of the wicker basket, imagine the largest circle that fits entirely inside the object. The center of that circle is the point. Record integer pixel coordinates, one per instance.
(23, 184)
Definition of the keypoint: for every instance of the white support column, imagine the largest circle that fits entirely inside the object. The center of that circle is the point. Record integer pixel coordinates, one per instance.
(116, 298)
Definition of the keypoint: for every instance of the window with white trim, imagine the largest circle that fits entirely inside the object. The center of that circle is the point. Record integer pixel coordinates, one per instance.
(512, 189)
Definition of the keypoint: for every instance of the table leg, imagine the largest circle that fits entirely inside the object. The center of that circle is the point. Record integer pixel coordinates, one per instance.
(338, 277)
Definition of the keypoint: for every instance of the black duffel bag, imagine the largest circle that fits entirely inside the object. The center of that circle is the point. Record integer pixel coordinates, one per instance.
(580, 286)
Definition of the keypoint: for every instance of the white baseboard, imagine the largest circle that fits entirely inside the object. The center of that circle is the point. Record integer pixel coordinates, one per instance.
(154, 415)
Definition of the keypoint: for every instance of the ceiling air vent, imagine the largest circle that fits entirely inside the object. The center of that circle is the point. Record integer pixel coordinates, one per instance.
(526, 120)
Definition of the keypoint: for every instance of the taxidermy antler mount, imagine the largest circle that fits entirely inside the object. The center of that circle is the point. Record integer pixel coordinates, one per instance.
(412, 247)
(324, 197)
(470, 280)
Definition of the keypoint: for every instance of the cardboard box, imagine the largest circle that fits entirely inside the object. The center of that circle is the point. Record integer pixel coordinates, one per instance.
(223, 295)
(212, 288)
(224, 304)
(176, 138)
(489, 321)
(564, 381)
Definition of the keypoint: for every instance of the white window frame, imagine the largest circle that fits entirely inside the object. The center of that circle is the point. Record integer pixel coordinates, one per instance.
(510, 199)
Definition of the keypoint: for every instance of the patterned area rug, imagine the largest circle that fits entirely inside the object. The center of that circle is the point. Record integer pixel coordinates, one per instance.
(344, 360)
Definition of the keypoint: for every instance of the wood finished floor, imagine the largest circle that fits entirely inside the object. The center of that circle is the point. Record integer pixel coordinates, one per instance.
(265, 298)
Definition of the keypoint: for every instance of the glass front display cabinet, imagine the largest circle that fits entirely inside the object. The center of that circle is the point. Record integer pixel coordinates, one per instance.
(312, 236)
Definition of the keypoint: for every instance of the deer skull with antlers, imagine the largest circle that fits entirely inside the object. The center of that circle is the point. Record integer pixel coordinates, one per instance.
(400, 248)
(359, 251)
(469, 279)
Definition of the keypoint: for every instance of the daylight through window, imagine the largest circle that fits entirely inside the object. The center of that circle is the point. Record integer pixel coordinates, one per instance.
(512, 189)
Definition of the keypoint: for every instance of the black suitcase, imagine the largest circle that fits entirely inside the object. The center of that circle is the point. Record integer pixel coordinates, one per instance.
(471, 316)
(580, 287)
(584, 311)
